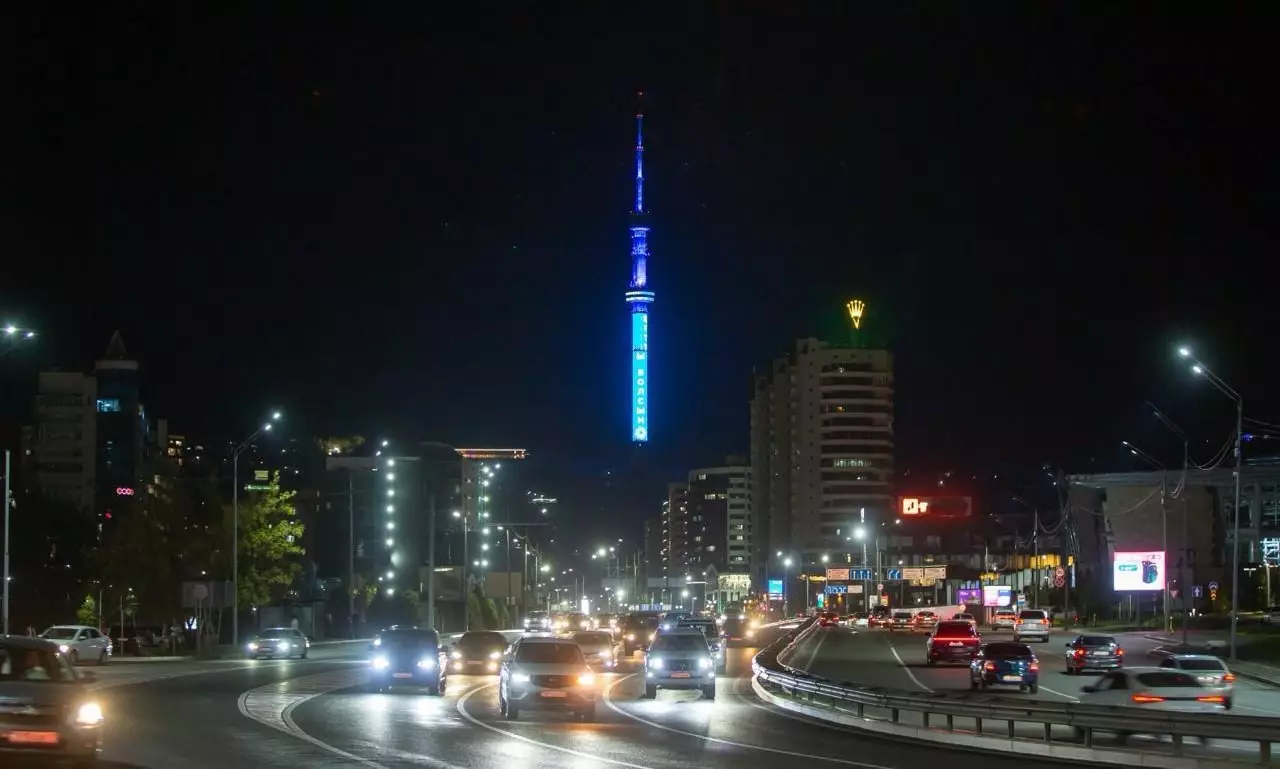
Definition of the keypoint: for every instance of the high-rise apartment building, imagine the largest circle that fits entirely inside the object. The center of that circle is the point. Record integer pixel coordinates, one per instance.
(821, 448)
(675, 530)
(719, 528)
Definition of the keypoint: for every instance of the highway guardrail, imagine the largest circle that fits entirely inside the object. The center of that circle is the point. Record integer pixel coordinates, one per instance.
(880, 709)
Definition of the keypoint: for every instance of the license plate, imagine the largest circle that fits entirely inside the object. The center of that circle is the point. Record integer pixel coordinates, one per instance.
(681, 674)
(1011, 678)
(404, 675)
(1099, 654)
(956, 643)
(33, 738)
(555, 694)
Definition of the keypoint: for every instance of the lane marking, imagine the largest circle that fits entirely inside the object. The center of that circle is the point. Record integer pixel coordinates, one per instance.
(906, 669)
(1060, 694)
(720, 741)
(822, 637)
(272, 705)
(462, 711)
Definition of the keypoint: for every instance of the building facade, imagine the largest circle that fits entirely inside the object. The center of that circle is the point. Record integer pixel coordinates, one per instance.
(675, 530)
(822, 448)
(719, 522)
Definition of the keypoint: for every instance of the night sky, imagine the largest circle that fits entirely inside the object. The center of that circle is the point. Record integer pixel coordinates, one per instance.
(415, 224)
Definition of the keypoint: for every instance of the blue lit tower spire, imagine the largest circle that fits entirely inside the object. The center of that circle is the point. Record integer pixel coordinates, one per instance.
(639, 297)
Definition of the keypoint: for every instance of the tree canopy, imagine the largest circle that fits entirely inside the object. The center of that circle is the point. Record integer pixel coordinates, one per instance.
(270, 544)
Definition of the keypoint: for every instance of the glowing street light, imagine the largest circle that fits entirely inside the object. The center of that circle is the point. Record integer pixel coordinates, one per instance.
(276, 416)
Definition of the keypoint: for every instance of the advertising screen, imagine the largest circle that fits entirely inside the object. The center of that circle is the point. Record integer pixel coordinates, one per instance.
(967, 595)
(997, 596)
(1138, 571)
(640, 377)
(775, 587)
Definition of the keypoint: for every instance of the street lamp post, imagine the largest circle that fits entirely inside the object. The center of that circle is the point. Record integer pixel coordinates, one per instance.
(1182, 485)
(1164, 520)
(235, 525)
(786, 577)
(1198, 368)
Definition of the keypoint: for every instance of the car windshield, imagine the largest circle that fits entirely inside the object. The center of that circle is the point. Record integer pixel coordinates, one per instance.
(592, 639)
(409, 639)
(550, 653)
(275, 634)
(1096, 640)
(679, 643)
(1201, 665)
(61, 633)
(482, 642)
(1007, 651)
(18, 663)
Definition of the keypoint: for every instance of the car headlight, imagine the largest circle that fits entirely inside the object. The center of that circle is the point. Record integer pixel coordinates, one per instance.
(520, 678)
(89, 714)
(495, 655)
(377, 641)
(705, 662)
(284, 646)
(456, 655)
(426, 663)
(380, 662)
(655, 662)
(253, 646)
(586, 679)
(631, 636)
(64, 648)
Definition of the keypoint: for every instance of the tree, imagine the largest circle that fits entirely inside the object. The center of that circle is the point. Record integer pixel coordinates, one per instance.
(270, 545)
(87, 614)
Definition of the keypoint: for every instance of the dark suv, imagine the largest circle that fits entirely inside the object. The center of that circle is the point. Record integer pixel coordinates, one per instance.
(637, 632)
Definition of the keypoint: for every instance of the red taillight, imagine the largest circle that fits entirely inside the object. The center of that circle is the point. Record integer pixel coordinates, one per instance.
(1079, 652)
(1119, 652)
(989, 666)
(1143, 699)
(1228, 678)
(1035, 666)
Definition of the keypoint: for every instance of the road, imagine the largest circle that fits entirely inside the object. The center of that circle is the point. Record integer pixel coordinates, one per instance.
(313, 714)
(896, 661)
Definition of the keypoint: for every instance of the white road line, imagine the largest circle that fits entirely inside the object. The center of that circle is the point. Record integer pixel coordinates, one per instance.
(1064, 696)
(816, 648)
(720, 741)
(462, 711)
(906, 669)
(273, 705)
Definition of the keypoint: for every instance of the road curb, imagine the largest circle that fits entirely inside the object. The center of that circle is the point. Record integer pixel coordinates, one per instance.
(983, 743)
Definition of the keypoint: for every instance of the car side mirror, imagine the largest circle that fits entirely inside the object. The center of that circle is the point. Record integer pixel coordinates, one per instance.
(1088, 689)
(86, 676)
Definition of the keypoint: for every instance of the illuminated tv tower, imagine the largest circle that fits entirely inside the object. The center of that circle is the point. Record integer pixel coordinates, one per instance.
(639, 297)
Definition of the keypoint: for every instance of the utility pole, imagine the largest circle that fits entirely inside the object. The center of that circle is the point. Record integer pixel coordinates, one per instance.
(1164, 543)
(351, 554)
(1068, 571)
(1035, 563)
(431, 557)
(8, 505)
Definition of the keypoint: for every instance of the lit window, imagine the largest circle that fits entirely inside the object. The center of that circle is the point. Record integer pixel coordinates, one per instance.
(108, 405)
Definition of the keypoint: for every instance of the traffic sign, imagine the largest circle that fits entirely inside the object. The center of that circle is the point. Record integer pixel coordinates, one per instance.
(837, 589)
(1059, 581)
(1060, 572)
(1213, 586)
(1197, 591)
(859, 575)
(879, 587)
(892, 574)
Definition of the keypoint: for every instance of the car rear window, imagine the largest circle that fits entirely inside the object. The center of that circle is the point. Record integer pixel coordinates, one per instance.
(1032, 614)
(1166, 678)
(1201, 665)
(1007, 650)
(955, 630)
(1096, 640)
(902, 615)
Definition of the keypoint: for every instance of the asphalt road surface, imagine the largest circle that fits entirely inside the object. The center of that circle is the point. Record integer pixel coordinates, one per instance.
(896, 660)
(313, 714)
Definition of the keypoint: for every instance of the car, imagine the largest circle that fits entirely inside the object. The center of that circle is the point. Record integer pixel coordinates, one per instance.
(278, 642)
(46, 708)
(966, 616)
(828, 619)
(597, 647)
(1033, 623)
(1211, 672)
(1004, 619)
(80, 643)
(680, 659)
(573, 622)
(1096, 652)
(924, 620)
(546, 673)
(901, 620)
(1005, 664)
(710, 631)
(637, 632)
(537, 622)
(736, 629)
(1153, 688)
(952, 641)
(477, 653)
(407, 656)
(880, 617)
(672, 618)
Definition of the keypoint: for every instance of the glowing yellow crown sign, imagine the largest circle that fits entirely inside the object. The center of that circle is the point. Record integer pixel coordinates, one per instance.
(856, 307)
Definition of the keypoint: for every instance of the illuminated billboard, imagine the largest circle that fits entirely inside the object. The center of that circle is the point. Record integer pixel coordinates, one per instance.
(997, 596)
(640, 377)
(935, 507)
(1142, 570)
(775, 587)
(968, 595)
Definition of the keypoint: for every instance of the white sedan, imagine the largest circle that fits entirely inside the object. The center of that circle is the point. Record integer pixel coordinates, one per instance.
(80, 643)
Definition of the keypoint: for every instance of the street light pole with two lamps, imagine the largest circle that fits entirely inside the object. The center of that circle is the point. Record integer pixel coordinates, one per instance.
(1199, 369)
(235, 525)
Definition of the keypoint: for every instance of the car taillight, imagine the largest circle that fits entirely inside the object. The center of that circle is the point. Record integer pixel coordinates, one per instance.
(989, 666)
(1035, 666)
(1213, 699)
(1119, 652)
(1079, 652)
(1143, 699)
(1228, 678)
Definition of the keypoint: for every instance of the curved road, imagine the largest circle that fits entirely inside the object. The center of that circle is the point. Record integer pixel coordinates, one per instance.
(313, 714)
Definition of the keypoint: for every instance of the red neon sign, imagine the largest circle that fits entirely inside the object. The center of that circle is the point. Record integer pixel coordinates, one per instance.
(124, 491)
